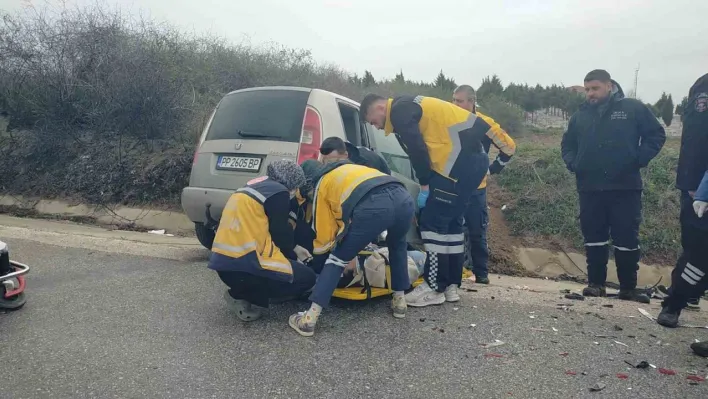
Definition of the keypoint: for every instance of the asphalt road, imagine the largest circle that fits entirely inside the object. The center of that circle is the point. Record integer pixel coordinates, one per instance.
(105, 323)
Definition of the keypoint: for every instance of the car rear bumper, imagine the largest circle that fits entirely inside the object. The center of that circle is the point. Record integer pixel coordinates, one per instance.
(195, 199)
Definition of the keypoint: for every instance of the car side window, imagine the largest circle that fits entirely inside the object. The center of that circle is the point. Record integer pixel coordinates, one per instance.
(390, 149)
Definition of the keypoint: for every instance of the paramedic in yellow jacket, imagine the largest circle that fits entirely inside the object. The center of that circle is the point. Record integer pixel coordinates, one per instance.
(352, 205)
(253, 251)
(476, 215)
(444, 143)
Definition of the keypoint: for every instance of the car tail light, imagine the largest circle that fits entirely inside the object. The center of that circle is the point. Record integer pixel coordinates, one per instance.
(311, 137)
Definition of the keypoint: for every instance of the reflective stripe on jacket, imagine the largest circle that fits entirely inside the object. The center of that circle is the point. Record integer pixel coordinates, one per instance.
(243, 242)
(340, 187)
(452, 135)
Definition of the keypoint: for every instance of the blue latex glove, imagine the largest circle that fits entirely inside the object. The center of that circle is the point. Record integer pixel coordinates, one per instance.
(423, 198)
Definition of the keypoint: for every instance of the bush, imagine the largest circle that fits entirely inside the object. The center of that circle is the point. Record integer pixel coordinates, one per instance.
(545, 201)
(508, 116)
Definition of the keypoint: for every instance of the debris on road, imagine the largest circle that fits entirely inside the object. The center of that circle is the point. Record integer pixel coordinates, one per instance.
(569, 372)
(695, 378)
(575, 296)
(422, 319)
(495, 355)
(646, 314)
(598, 387)
(493, 344)
(621, 343)
(643, 365)
(618, 328)
(554, 329)
(160, 232)
(565, 291)
(609, 305)
(473, 325)
(622, 376)
(564, 354)
(666, 371)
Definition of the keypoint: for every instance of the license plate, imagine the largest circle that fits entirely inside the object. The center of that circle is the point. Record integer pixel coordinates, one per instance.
(238, 163)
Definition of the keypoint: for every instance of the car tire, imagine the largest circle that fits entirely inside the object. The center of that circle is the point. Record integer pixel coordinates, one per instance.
(204, 235)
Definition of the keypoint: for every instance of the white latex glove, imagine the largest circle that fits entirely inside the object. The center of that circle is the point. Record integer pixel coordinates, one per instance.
(303, 255)
(700, 208)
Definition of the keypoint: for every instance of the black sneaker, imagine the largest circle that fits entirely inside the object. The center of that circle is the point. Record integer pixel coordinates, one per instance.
(700, 348)
(668, 318)
(482, 280)
(594, 291)
(634, 295)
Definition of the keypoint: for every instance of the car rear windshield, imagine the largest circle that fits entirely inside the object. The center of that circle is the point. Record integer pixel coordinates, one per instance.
(260, 115)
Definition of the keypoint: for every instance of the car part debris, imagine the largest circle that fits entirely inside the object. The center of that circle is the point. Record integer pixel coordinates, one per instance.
(666, 371)
(569, 372)
(646, 314)
(575, 296)
(621, 343)
(622, 376)
(488, 355)
(598, 387)
(493, 344)
(695, 378)
(618, 328)
(608, 305)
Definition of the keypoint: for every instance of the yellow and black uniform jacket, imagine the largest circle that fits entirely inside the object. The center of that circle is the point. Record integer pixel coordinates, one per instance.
(243, 240)
(340, 186)
(438, 136)
(500, 139)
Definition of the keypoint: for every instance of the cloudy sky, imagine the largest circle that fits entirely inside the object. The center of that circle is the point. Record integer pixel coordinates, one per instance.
(533, 41)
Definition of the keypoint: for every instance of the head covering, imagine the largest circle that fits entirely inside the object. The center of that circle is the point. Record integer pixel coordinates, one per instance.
(598, 74)
(287, 173)
(311, 169)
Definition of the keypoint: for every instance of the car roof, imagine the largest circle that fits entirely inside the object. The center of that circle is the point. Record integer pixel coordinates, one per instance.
(295, 88)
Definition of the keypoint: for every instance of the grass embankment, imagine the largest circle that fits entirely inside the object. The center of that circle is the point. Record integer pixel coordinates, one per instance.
(543, 202)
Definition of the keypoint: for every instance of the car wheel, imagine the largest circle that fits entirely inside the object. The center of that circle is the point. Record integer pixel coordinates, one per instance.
(204, 235)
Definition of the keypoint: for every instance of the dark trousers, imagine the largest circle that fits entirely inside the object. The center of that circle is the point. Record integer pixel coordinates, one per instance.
(688, 279)
(441, 225)
(259, 290)
(389, 208)
(476, 221)
(617, 215)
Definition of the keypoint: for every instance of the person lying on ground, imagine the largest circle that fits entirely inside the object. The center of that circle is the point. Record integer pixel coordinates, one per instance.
(352, 205)
(253, 252)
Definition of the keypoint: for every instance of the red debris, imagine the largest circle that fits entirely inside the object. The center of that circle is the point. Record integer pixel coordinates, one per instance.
(488, 355)
(571, 372)
(695, 378)
(564, 354)
(622, 376)
(667, 371)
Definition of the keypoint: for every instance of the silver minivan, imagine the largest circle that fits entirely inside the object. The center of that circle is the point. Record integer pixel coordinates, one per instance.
(251, 128)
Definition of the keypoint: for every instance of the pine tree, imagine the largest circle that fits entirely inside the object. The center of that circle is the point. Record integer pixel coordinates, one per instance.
(368, 79)
(667, 110)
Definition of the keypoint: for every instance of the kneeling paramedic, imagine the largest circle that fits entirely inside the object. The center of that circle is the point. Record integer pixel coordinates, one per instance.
(253, 251)
(689, 280)
(444, 144)
(352, 205)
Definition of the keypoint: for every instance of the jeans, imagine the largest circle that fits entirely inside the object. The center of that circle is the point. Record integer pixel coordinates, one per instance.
(388, 207)
(616, 214)
(477, 220)
(259, 290)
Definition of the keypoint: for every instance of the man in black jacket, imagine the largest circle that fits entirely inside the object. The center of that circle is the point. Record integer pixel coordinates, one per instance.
(607, 142)
(689, 276)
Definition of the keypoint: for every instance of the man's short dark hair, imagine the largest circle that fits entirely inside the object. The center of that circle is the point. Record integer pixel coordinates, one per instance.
(598, 74)
(333, 144)
(367, 102)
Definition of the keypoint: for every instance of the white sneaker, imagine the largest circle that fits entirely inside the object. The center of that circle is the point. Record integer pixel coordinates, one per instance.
(451, 294)
(423, 296)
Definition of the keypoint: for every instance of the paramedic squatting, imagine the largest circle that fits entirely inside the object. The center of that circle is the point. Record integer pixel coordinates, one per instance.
(351, 206)
(444, 143)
